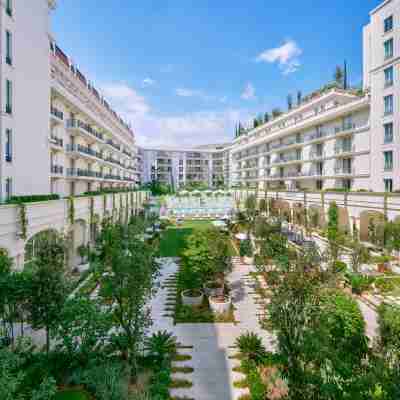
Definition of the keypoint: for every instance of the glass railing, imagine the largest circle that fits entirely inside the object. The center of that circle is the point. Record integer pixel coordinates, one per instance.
(56, 113)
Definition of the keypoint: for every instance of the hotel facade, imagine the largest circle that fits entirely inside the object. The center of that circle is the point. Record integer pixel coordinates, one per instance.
(335, 138)
(59, 135)
(179, 167)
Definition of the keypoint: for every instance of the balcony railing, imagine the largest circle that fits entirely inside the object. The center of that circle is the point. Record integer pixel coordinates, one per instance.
(345, 127)
(76, 123)
(315, 155)
(112, 177)
(56, 113)
(83, 173)
(344, 170)
(345, 149)
(84, 150)
(113, 144)
(57, 169)
(57, 141)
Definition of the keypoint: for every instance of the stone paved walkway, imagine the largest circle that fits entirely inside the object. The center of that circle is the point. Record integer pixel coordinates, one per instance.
(213, 343)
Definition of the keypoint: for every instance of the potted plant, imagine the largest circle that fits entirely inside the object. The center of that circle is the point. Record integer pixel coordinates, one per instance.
(220, 301)
(190, 281)
(213, 288)
(246, 251)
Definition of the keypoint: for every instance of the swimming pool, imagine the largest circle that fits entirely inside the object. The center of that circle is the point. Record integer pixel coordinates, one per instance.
(197, 207)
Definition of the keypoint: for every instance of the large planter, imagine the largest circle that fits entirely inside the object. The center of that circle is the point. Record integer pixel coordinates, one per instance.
(220, 305)
(248, 260)
(189, 300)
(213, 288)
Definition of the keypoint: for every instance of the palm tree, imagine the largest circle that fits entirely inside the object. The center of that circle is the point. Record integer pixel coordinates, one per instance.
(161, 346)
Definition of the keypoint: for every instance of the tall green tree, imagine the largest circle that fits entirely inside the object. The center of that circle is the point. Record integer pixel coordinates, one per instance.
(339, 75)
(128, 284)
(334, 235)
(48, 288)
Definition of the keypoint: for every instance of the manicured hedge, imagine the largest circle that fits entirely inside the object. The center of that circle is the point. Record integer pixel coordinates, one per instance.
(32, 198)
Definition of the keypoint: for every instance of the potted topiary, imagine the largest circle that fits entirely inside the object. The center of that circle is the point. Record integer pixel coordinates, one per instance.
(246, 251)
(190, 280)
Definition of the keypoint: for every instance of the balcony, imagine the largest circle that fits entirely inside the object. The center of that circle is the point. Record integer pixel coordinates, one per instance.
(83, 173)
(345, 149)
(113, 144)
(57, 170)
(347, 171)
(317, 155)
(345, 128)
(317, 135)
(85, 151)
(57, 116)
(56, 142)
(75, 125)
(112, 177)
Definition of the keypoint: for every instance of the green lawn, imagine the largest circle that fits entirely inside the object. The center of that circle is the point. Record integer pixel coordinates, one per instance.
(71, 395)
(173, 239)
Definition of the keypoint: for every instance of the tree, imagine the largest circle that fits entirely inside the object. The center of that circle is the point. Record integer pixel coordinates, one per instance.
(359, 255)
(255, 123)
(289, 102)
(299, 98)
(334, 235)
(48, 289)
(83, 328)
(339, 75)
(128, 284)
(250, 206)
(276, 112)
(320, 333)
(266, 117)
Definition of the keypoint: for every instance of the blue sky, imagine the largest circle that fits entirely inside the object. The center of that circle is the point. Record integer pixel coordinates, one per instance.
(184, 71)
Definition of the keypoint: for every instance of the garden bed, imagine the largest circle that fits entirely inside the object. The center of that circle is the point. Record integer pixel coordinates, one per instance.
(201, 314)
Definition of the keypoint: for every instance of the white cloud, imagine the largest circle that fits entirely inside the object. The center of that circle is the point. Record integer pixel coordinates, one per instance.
(287, 56)
(148, 82)
(182, 92)
(125, 99)
(180, 130)
(249, 92)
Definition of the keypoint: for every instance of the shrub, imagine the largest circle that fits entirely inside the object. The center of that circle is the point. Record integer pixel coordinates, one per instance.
(161, 345)
(360, 283)
(106, 381)
(250, 345)
(340, 266)
(246, 248)
(386, 285)
(32, 198)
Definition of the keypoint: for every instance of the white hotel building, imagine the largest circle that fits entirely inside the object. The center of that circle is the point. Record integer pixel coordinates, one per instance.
(207, 165)
(58, 134)
(336, 139)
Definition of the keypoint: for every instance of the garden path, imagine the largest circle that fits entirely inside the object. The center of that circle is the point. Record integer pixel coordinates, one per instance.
(213, 344)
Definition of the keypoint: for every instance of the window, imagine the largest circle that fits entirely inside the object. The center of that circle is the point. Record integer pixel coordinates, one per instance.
(8, 97)
(388, 76)
(388, 24)
(9, 9)
(388, 104)
(388, 157)
(8, 48)
(8, 188)
(8, 145)
(388, 132)
(320, 184)
(388, 46)
(388, 185)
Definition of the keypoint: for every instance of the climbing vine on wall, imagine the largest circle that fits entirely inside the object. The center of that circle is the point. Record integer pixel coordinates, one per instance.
(23, 221)
(91, 210)
(71, 210)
